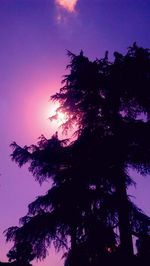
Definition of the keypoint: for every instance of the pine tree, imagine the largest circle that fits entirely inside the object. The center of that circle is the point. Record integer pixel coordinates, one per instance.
(107, 100)
(109, 104)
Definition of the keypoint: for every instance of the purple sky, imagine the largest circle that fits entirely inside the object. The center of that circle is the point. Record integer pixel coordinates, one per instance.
(34, 37)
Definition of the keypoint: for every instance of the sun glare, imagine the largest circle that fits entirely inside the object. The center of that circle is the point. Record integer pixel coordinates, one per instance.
(69, 5)
(56, 117)
(61, 117)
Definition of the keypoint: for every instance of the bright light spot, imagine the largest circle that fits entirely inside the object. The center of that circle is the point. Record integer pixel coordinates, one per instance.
(61, 117)
(69, 5)
(58, 117)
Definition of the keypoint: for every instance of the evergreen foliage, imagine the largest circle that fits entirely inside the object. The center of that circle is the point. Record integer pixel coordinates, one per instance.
(87, 210)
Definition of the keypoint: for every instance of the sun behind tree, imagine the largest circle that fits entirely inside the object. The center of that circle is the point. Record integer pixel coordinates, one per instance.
(87, 211)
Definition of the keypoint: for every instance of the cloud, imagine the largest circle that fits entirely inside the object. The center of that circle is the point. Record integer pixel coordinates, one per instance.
(69, 5)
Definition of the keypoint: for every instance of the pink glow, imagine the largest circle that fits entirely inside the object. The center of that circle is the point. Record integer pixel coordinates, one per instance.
(32, 61)
(69, 5)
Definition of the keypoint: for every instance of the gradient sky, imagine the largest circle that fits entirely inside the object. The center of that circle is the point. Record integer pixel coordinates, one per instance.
(34, 37)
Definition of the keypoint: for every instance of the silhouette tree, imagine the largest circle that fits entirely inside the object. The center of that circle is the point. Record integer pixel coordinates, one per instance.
(67, 210)
(21, 253)
(88, 201)
(108, 99)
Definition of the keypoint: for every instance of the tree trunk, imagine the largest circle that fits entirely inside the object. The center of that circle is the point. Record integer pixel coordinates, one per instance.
(73, 246)
(126, 244)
